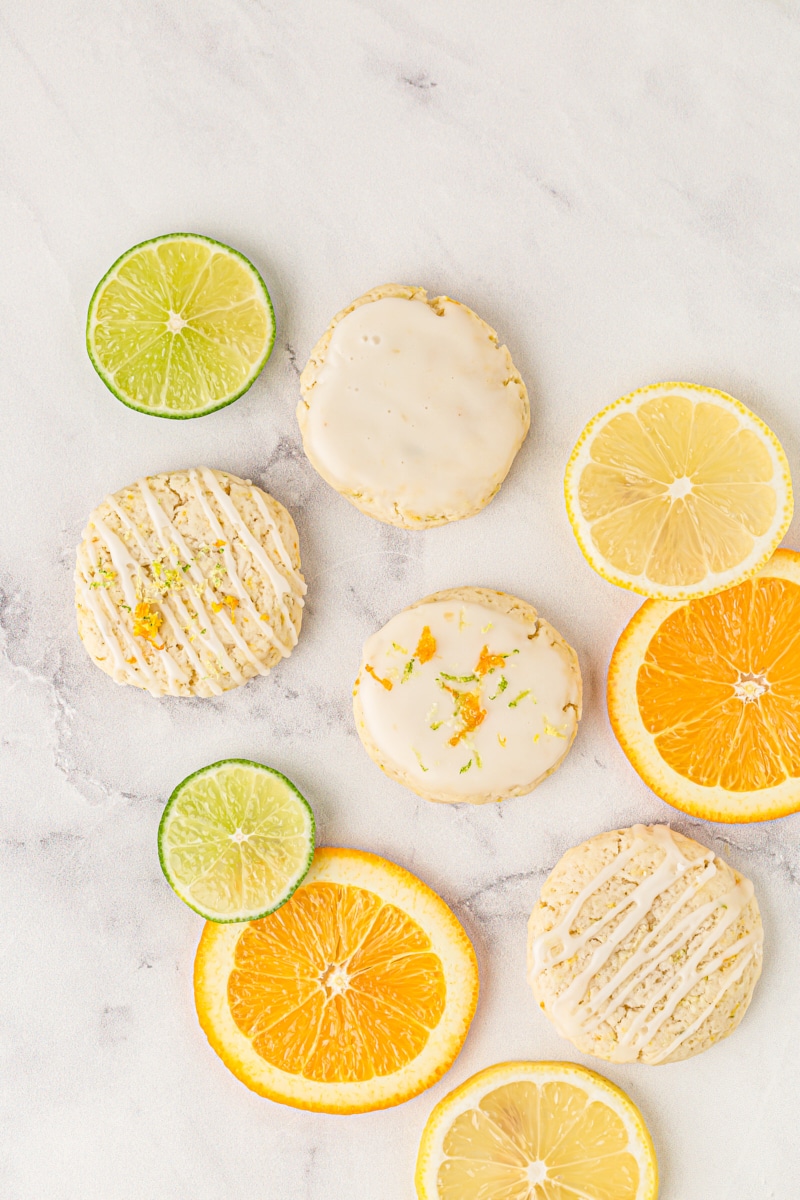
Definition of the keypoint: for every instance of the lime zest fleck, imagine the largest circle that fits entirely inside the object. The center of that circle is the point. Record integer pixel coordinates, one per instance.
(466, 767)
(513, 703)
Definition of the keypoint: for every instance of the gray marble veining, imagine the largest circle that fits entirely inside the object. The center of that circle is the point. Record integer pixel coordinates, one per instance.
(614, 187)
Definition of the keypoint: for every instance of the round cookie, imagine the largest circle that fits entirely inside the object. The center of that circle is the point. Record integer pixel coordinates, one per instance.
(188, 583)
(468, 695)
(410, 408)
(644, 946)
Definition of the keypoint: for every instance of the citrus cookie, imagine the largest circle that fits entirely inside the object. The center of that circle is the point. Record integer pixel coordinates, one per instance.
(644, 946)
(468, 695)
(410, 408)
(188, 584)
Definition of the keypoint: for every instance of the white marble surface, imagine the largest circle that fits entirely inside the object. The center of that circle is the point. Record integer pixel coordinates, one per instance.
(614, 187)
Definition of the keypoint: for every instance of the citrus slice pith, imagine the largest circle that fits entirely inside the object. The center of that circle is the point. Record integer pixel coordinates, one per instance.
(677, 491)
(180, 326)
(355, 995)
(235, 839)
(536, 1131)
(704, 697)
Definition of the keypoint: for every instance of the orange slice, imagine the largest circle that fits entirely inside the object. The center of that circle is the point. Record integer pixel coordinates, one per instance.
(704, 697)
(536, 1131)
(677, 491)
(356, 994)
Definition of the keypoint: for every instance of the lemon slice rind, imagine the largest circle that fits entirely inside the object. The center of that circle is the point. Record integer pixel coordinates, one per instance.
(470, 1093)
(763, 544)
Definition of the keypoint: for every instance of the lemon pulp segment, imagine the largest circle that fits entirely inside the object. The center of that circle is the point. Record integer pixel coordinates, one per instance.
(536, 1131)
(678, 491)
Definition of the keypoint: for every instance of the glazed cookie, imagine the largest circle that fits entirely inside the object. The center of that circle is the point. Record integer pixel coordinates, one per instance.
(644, 946)
(188, 584)
(411, 409)
(467, 696)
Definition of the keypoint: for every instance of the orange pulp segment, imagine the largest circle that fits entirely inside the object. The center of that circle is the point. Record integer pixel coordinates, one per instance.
(714, 726)
(355, 994)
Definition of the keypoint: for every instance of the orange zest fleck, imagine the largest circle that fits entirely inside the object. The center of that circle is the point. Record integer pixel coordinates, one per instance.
(220, 543)
(131, 660)
(426, 646)
(232, 604)
(487, 662)
(216, 606)
(468, 712)
(146, 623)
(387, 683)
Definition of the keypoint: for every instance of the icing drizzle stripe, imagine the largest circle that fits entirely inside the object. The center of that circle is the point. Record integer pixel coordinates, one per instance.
(132, 556)
(574, 1015)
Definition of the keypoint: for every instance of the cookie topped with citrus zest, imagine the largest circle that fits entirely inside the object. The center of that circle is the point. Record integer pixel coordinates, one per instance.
(677, 491)
(468, 696)
(189, 583)
(180, 326)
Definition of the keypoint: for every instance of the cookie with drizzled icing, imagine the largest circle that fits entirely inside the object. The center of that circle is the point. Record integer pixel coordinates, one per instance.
(189, 583)
(644, 946)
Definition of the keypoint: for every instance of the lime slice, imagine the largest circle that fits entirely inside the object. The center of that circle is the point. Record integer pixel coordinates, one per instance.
(235, 840)
(180, 326)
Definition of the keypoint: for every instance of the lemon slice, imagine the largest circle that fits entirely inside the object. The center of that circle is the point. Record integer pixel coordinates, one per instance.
(235, 840)
(536, 1131)
(678, 491)
(180, 326)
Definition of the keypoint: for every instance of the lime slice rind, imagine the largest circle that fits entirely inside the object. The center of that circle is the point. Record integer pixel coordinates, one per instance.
(228, 356)
(230, 868)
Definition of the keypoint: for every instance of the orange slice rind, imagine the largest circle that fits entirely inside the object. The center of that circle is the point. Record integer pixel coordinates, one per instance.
(355, 995)
(704, 697)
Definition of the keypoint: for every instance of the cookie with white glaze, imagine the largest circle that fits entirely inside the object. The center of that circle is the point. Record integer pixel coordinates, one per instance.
(189, 583)
(411, 409)
(467, 696)
(644, 946)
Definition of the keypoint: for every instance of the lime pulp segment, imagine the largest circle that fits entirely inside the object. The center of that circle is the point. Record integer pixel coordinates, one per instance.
(235, 840)
(180, 326)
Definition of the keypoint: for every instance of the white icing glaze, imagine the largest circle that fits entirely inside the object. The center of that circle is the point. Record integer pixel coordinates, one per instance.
(528, 697)
(643, 970)
(188, 610)
(413, 408)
